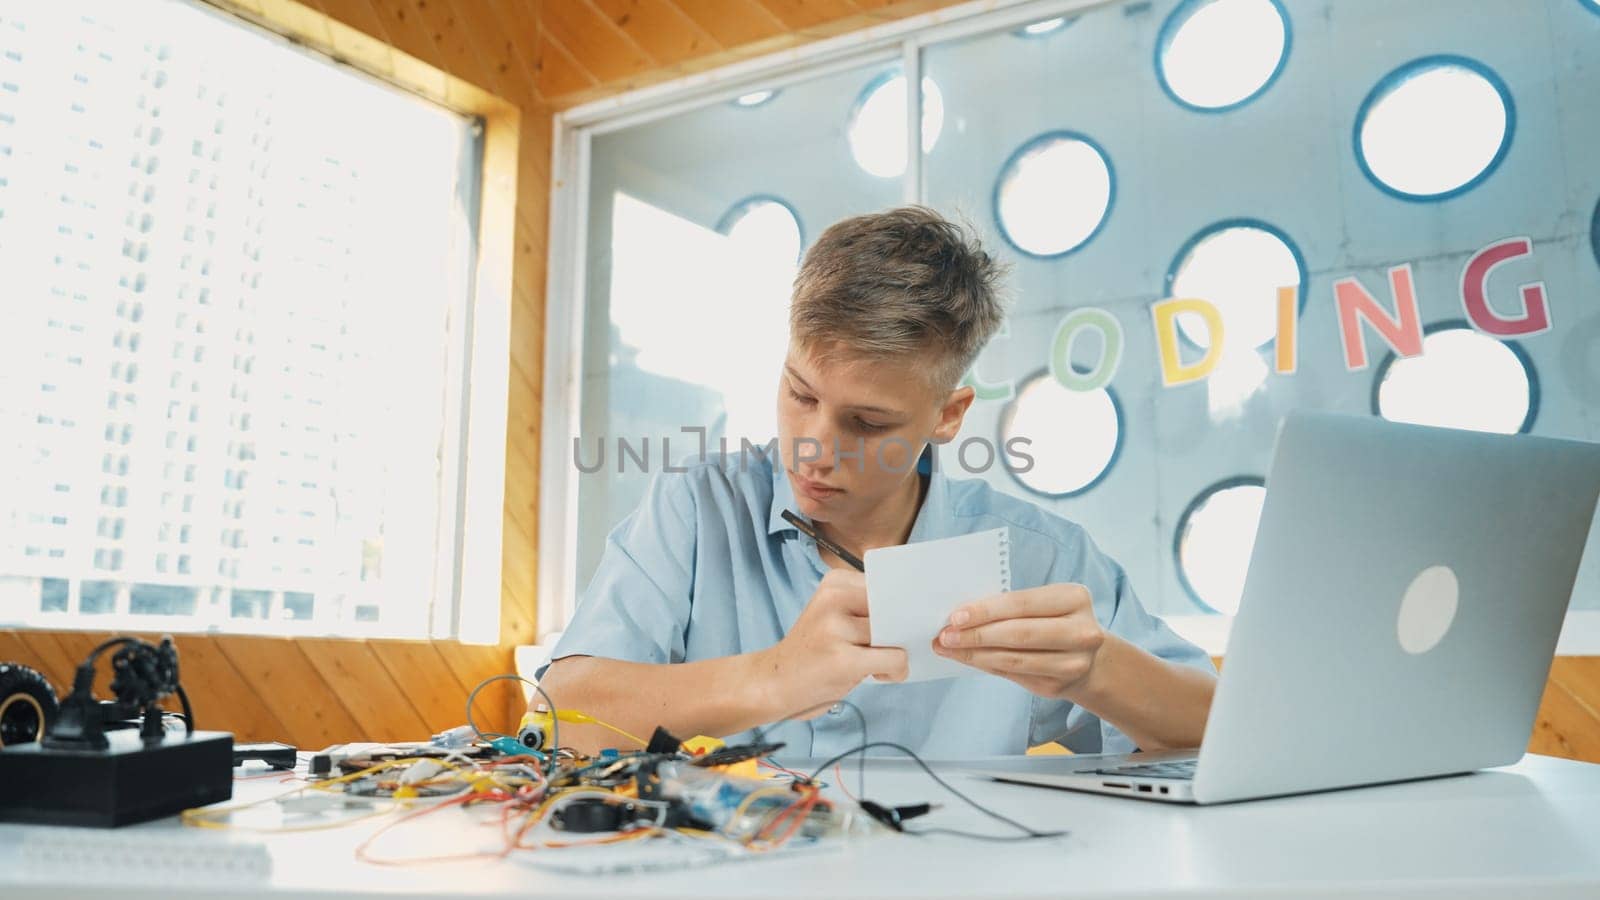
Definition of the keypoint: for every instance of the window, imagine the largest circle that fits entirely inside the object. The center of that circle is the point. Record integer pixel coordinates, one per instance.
(1434, 128)
(1215, 55)
(754, 98)
(1215, 535)
(183, 190)
(765, 226)
(1237, 266)
(1044, 28)
(1108, 180)
(878, 124)
(1054, 194)
(695, 234)
(1463, 379)
(1073, 436)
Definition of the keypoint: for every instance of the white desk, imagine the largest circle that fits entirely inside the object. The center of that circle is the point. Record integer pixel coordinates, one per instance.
(1534, 826)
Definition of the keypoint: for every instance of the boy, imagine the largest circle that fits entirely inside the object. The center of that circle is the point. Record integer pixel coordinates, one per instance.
(711, 614)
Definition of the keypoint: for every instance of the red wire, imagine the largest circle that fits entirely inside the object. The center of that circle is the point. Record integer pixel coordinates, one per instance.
(790, 772)
(361, 851)
(801, 810)
(838, 776)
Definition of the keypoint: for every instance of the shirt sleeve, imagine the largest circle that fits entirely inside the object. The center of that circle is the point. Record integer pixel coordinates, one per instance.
(1121, 613)
(636, 607)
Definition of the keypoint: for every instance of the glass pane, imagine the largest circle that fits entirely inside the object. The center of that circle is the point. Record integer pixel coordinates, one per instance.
(1072, 436)
(1433, 127)
(1054, 194)
(696, 223)
(1238, 267)
(1462, 380)
(1216, 536)
(877, 126)
(1215, 54)
(236, 280)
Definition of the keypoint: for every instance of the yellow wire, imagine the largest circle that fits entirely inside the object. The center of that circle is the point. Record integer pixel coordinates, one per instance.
(578, 717)
(632, 737)
(750, 798)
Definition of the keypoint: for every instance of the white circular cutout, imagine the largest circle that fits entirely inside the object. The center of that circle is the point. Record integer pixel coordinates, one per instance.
(1220, 53)
(1215, 539)
(877, 129)
(1073, 435)
(754, 98)
(767, 228)
(1427, 609)
(1238, 269)
(1463, 379)
(1054, 194)
(1433, 128)
(1048, 26)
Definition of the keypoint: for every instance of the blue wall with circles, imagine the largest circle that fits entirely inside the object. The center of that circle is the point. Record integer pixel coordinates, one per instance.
(1144, 150)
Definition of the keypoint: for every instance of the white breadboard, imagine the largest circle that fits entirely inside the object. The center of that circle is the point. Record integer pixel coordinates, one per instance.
(155, 856)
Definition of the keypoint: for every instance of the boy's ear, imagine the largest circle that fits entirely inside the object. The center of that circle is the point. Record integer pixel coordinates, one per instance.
(952, 413)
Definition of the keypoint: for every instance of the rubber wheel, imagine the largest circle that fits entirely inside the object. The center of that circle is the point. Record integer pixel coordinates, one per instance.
(28, 705)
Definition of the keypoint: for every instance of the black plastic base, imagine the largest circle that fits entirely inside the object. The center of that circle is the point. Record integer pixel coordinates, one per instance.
(129, 782)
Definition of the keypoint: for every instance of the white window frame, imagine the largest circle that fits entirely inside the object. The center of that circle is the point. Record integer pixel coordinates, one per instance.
(566, 289)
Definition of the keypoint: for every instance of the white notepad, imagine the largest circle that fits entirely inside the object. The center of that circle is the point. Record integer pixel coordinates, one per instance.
(912, 589)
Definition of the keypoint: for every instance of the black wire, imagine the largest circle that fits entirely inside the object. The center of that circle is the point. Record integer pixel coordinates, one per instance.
(95, 653)
(183, 696)
(1028, 833)
(188, 712)
(555, 723)
(861, 770)
(973, 835)
(861, 761)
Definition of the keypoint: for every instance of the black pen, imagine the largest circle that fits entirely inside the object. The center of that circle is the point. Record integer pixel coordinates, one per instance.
(823, 542)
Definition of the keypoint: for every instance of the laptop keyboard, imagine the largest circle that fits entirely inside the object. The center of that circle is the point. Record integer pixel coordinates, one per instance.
(1181, 770)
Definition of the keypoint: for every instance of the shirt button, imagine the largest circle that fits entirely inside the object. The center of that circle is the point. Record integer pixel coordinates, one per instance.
(836, 709)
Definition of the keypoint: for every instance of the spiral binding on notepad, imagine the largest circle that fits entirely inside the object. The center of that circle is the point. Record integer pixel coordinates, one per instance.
(1005, 559)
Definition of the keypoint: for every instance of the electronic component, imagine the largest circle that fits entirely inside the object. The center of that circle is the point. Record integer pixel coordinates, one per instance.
(589, 815)
(131, 780)
(278, 756)
(349, 758)
(455, 738)
(538, 726)
(28, 705)
(663, 741)
(728, 756)
(80, 774)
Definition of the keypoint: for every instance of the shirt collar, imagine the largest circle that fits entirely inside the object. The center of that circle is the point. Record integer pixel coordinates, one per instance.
(932, 515)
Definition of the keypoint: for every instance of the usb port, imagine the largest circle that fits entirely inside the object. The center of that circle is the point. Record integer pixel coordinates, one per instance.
(1144, 788)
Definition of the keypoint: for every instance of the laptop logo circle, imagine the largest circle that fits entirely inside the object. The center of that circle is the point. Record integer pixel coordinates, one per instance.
(1427, 609)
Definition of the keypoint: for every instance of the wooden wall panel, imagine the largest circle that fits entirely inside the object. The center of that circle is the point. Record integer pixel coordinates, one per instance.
(226, 698)
(415, 667)
(659, 28)
(313, 693)
(582, 50)
(734, 23)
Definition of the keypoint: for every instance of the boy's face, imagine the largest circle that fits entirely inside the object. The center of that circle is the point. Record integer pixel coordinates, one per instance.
(850, 430)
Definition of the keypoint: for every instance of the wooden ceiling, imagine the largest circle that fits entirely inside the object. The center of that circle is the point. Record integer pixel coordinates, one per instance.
(580, 50)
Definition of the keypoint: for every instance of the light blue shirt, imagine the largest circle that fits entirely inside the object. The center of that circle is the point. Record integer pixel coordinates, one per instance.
(706, 567)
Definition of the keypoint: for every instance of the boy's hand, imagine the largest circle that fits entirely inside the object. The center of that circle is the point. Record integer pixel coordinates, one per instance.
(828, 651)
(1045, 639)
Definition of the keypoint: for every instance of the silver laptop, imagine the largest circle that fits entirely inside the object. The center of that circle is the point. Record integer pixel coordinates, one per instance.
(1399, 617)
